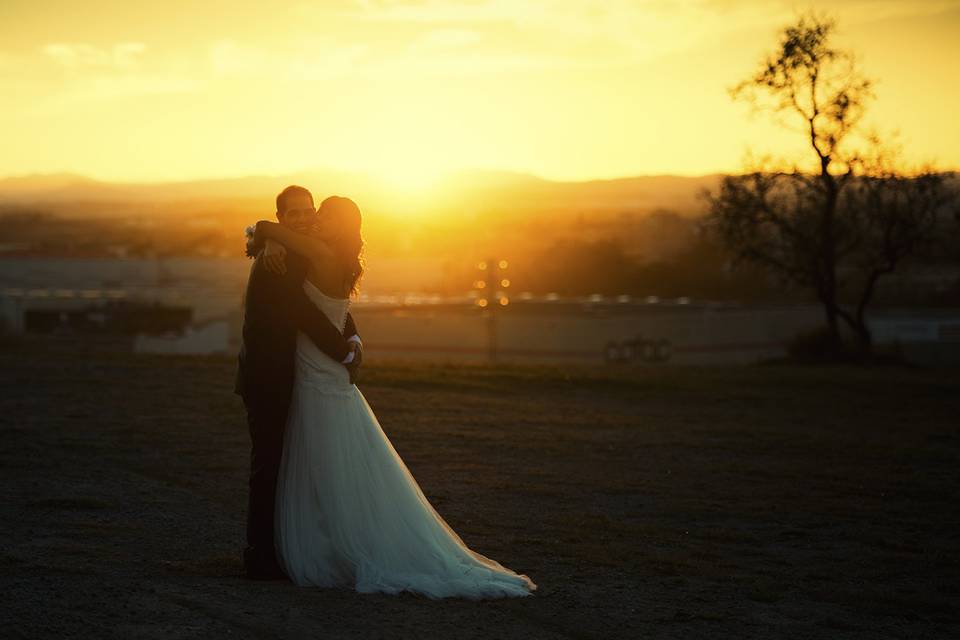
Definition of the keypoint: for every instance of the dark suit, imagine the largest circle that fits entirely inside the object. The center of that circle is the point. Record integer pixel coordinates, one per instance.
(275, 308)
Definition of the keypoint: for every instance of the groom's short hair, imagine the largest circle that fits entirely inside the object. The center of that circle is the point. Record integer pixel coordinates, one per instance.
(293, 189)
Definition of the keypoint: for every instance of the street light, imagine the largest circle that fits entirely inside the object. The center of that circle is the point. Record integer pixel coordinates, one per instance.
(492, 295)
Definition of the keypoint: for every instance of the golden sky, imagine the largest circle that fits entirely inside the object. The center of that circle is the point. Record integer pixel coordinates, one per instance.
(564, 89)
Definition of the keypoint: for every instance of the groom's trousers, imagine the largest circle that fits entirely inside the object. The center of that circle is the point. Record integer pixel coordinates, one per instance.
(266, 420)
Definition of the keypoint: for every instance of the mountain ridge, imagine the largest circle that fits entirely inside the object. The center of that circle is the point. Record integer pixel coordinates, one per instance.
(499, 190)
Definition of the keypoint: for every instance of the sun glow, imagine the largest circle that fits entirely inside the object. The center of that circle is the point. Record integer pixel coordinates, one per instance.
(410, 90)
(409, 178)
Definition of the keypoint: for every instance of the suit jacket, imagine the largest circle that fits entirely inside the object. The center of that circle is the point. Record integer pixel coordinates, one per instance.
(275, 308)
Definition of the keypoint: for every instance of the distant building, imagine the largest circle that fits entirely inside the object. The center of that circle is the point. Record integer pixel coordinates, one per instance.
(212, 337)
(103, 311)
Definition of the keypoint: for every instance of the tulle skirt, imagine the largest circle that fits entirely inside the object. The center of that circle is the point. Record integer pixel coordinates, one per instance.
(350, 514)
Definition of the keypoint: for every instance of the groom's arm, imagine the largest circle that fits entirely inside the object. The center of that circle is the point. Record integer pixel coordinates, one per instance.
(304, 314)
(350, 329)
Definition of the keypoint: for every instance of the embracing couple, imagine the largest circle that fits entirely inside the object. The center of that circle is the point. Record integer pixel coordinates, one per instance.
(331, 503)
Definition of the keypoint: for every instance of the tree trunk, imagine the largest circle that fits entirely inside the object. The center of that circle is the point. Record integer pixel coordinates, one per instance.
(864, 337)
(828, 257)
(862, 332)
(831, 313)
(833, 327)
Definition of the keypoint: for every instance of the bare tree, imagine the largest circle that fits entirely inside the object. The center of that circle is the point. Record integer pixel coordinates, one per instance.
(839, 224)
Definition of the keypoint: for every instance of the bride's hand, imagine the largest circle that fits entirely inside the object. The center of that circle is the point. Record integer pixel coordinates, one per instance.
(275, 257)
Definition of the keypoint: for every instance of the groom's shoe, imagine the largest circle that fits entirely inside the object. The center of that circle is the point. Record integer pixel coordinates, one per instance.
(256, 567)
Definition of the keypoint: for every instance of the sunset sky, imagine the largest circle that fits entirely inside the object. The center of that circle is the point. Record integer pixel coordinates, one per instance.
(563, 89)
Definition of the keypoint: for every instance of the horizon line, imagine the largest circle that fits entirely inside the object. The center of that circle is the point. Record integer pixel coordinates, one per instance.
(373, 176)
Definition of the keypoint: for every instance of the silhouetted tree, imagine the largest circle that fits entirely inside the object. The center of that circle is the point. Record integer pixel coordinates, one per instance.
(573, 267)
(839, 227)
(895, 216)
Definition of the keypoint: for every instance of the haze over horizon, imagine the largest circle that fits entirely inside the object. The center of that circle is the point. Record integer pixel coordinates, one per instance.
(408, 91)
(61, 178)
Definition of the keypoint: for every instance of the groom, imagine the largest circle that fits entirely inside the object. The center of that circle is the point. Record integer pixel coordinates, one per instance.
(275, 309)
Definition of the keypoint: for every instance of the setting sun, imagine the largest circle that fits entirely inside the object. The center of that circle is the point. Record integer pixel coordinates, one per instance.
(409, 177)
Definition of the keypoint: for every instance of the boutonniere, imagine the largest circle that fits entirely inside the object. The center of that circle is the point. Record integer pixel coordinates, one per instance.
(252, 249)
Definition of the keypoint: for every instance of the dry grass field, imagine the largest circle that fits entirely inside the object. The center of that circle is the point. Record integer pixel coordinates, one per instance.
(753, 502)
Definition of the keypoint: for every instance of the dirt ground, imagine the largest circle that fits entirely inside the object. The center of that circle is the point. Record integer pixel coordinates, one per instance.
(752, 502)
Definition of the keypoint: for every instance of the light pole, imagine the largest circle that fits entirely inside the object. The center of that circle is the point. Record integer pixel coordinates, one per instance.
(493, 297)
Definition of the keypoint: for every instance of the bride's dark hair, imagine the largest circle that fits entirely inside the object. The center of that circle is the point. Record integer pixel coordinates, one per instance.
(348, 246)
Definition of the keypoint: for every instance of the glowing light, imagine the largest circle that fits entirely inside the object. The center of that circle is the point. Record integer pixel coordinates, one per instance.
(504, 301)
(408, 176)
(504, 264)
(480, 284)
(482, 302)
(389, 87)
(482, 266)
(504, 283)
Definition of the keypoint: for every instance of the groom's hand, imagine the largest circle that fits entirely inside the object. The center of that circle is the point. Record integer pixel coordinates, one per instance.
(354, 367)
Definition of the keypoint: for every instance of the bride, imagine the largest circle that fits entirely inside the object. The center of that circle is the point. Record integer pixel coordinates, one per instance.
(349, 513)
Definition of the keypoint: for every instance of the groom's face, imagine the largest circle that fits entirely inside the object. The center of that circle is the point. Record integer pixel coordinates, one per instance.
(298, 213)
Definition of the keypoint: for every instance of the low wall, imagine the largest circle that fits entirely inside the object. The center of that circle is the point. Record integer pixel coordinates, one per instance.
(694, 336)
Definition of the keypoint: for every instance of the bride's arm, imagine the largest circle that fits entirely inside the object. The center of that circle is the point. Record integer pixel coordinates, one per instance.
(308, 246)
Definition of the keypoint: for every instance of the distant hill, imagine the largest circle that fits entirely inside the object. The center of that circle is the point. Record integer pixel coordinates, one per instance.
(472, 192)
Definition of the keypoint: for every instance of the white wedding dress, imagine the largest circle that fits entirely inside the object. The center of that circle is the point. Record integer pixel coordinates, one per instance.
(349, 513)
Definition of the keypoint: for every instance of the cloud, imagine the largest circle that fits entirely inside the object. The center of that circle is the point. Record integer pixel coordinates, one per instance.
(105, 88)
(458, 37)
(448, 38)
(582, 33)
(441, 52)
(98, 73)
(229, 59)
(316, 60)
(638, 28)
(448, 11)
(123, 55)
